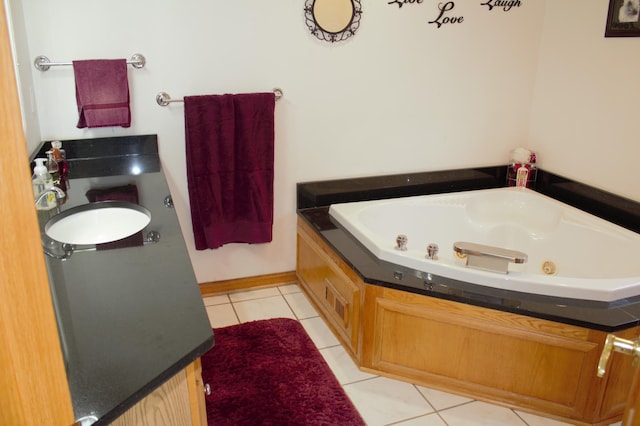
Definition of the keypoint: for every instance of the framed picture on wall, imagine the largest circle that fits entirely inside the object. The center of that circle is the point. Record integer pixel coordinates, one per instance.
(622, 20)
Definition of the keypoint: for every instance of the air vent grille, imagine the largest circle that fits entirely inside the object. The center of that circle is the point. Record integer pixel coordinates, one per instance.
(336, 302)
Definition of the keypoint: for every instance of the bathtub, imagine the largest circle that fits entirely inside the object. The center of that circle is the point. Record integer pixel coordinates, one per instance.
(569, 253)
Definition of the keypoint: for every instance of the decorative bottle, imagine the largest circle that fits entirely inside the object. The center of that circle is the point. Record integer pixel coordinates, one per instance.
(522, 170)
(60, 157)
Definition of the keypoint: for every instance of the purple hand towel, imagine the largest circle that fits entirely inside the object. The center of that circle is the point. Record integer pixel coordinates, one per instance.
(102, 93)
(229, 147)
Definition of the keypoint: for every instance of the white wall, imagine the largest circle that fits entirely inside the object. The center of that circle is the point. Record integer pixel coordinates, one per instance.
(585, 110)
(24, 72)
(401, 96)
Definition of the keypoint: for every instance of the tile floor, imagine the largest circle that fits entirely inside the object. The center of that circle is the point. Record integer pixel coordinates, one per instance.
(380, 401)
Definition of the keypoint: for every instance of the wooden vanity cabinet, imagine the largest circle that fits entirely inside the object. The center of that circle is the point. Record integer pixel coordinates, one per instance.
(332, 286)
(178, 402)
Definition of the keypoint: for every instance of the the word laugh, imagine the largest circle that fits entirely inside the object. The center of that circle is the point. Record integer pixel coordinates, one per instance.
(506, 5)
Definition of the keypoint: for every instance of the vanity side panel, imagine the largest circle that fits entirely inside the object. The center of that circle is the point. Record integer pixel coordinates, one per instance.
(168, 405)
(196, 393)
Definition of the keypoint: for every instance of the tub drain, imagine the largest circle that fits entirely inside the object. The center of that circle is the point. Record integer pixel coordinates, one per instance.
(549, 267)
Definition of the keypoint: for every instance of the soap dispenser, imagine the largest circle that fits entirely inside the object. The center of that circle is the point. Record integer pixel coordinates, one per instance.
(42, 181)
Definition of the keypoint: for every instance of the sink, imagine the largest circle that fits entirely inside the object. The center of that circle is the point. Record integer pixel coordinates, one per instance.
(97, 223)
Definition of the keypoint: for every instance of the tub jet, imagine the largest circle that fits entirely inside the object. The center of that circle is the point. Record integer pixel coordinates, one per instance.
(549, 267)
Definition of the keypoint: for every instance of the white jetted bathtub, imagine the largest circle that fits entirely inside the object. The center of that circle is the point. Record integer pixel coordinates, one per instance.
(565, 251)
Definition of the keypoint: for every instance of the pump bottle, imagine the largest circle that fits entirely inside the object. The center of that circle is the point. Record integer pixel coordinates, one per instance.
(42, 181)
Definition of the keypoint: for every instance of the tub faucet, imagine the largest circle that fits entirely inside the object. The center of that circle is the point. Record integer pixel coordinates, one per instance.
(59, 195)
(489, 258)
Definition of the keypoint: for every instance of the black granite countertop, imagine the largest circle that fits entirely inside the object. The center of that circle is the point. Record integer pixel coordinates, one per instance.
(314, 199)
(131, 317)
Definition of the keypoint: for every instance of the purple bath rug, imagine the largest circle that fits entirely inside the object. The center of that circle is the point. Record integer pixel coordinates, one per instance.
(269, 372)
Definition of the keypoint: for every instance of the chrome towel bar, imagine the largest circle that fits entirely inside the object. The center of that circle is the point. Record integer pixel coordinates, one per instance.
(163, 98)
(42, 63)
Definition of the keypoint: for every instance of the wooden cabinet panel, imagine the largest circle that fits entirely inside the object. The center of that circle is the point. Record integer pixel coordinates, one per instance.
(518, 361)
(178, 402)
(196, 393)
(330, 288)
(482, 356)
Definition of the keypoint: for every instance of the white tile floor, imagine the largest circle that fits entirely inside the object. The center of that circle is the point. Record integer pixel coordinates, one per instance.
(380, 401)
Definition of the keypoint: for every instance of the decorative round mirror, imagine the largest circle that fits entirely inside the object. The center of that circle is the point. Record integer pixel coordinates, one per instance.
(333, 20)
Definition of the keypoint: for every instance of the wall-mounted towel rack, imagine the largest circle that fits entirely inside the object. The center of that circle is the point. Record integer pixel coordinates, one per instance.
(163, 98)
(42, 63)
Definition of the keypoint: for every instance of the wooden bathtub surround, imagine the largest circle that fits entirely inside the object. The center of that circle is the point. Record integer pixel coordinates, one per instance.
(334, 288)
(534, 365)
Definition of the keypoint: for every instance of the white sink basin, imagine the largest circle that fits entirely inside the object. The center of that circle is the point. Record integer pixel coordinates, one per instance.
(97, 223)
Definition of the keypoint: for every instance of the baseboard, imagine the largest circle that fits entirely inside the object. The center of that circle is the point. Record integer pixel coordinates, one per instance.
(242, 284)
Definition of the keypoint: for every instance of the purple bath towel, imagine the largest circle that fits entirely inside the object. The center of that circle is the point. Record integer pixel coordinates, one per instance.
(102, 93)
(229, 147)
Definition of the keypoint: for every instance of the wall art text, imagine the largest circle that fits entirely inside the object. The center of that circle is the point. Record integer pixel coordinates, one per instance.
(401, 3)
(506, 5)
(445, 17)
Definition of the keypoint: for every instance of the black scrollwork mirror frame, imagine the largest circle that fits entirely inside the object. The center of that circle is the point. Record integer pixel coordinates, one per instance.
(332, 36)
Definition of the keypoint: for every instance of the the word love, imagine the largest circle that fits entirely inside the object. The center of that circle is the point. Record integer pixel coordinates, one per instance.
(506, 5)
(445, 17)
(401, 3)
